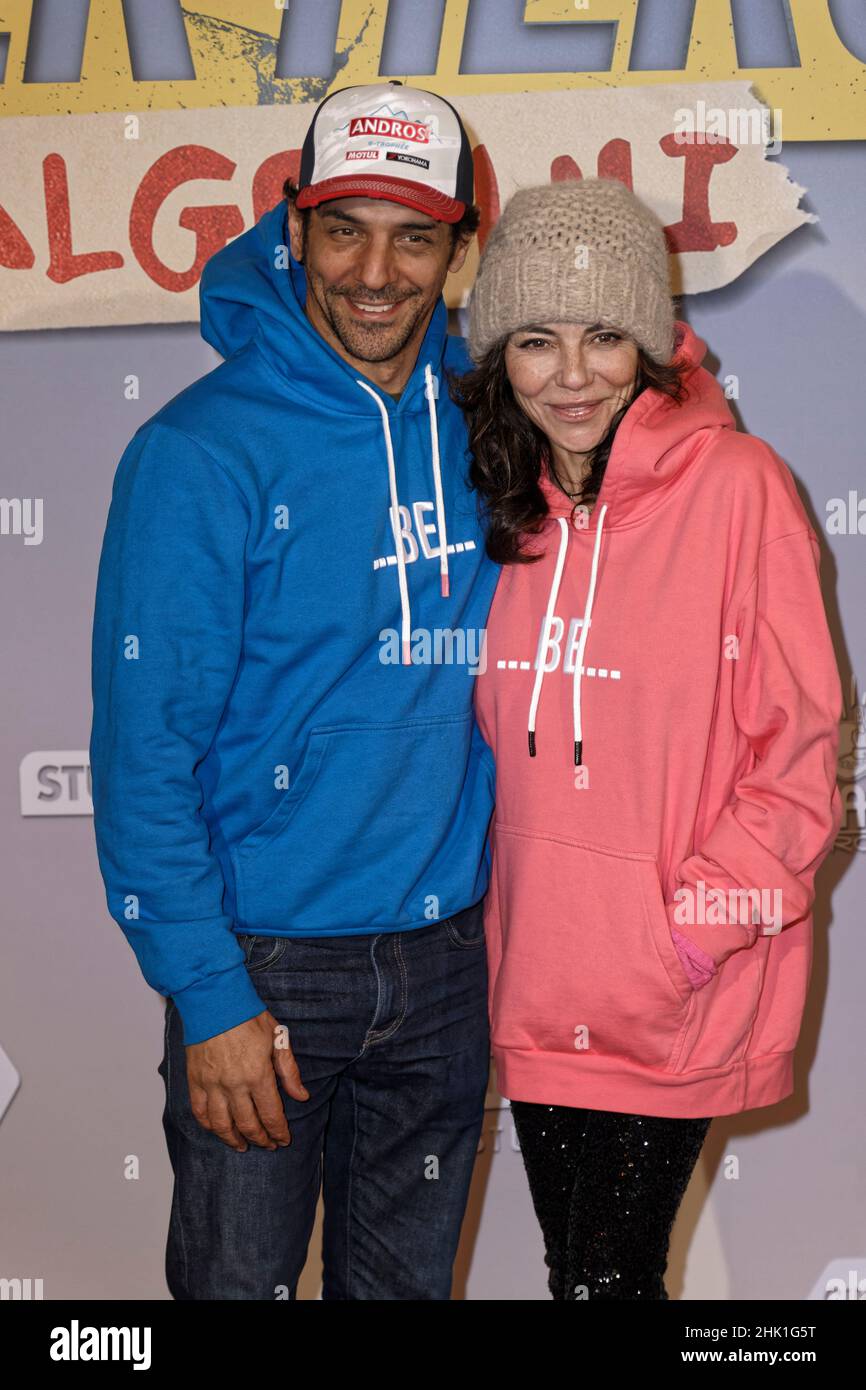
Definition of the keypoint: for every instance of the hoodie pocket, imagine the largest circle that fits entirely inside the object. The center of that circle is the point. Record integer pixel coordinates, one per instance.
(657, 915)
(588, 964)
(289, 802)
(367, 802)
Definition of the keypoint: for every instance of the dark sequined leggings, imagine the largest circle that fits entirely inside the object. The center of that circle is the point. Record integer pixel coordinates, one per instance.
(606, 1188)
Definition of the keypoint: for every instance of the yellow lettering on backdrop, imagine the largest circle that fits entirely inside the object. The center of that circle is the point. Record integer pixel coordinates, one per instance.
(233, 48)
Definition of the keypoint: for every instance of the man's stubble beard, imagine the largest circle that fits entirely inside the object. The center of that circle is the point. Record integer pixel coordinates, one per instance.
(360, 342)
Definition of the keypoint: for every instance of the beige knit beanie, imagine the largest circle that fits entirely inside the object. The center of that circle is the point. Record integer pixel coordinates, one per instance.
(581, 251)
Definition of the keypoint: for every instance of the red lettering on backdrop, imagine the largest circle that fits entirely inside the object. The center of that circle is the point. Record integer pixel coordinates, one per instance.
(614, 162)
(63, 263)
(16, 253)
(486, 193)
(213, 226)
(564, 169)
(696, 231)
(269, 178)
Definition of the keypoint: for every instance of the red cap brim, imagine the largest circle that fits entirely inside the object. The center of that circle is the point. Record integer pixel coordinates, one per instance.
(411, 195)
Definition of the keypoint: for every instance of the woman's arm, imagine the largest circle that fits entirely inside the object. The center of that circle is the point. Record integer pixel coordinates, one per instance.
(785, 810)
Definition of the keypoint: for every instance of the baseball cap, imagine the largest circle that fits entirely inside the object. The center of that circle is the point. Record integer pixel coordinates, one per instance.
(375, 141)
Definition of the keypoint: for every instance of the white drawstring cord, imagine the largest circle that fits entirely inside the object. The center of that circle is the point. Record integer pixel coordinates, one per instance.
(406, 634)
(431, 390)
(548, 618)
(584, 631)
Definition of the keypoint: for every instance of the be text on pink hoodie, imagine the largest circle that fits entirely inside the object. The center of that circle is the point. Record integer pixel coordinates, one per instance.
(662, 700)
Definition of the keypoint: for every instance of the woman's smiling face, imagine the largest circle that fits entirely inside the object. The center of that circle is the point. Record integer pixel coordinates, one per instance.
(571, 379)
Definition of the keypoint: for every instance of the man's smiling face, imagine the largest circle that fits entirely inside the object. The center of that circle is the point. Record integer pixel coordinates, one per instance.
(375, 271)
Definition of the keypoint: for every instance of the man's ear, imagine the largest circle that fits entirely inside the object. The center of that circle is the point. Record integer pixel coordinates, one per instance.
(296, 232)
(459, 254)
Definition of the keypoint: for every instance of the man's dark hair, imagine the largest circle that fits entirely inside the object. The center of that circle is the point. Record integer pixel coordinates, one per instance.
(466, 227)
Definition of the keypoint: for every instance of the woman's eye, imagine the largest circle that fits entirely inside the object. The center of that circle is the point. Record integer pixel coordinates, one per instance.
(611, 337)
(532, 342)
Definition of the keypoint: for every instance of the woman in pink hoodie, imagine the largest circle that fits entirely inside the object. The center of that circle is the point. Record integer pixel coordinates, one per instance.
(662, 700)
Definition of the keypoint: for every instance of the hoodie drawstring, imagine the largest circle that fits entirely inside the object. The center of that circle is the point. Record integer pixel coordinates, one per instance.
(584, 632)
(431, 392)
(548, 619)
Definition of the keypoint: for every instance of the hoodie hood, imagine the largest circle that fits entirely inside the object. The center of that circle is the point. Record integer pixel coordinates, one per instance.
(253, 294)
(647, 455)
(657, 441)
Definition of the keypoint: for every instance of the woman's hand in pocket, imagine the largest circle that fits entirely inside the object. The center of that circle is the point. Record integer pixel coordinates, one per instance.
(699, 967)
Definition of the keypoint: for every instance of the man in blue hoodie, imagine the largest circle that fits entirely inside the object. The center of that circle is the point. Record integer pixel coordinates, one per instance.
(291, 795)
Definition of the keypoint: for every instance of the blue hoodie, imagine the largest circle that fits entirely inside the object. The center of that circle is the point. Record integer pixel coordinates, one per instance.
(283, 739)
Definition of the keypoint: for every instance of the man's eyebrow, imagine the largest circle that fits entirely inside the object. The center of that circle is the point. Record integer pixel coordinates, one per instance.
(359, 222)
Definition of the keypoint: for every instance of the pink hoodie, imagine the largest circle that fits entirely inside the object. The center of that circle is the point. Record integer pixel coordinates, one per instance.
(649, 916)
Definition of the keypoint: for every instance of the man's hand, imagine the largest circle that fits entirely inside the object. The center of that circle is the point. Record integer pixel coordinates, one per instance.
(233, 1086)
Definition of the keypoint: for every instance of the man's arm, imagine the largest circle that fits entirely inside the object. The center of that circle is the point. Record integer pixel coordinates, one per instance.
(167, 636)
(167, 639)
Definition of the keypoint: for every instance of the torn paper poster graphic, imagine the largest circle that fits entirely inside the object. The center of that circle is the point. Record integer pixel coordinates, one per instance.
(109, 218)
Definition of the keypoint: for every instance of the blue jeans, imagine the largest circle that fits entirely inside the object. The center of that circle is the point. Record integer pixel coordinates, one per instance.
(390, 1033)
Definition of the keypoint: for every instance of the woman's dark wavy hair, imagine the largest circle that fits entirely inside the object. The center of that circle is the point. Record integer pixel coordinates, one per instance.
(507, 448)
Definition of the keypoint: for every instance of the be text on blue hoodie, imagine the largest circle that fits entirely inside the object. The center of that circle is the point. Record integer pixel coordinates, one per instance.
(283, 740)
